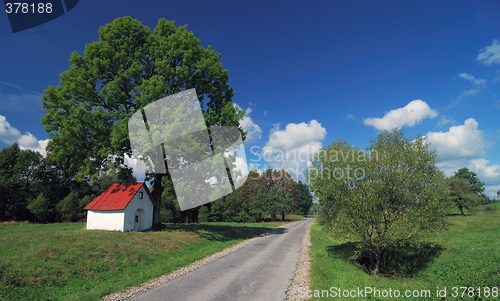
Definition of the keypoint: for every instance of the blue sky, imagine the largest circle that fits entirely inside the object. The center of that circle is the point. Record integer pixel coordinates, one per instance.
(307, 72)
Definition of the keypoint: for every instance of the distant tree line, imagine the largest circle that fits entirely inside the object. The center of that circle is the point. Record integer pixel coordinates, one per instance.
(262, 197)
(42, 190)
(37, 189)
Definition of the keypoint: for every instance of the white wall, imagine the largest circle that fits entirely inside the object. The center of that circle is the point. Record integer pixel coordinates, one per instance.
(136, 203)
(105, 220)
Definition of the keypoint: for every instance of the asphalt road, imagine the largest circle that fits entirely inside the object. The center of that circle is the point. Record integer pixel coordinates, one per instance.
(259, 271)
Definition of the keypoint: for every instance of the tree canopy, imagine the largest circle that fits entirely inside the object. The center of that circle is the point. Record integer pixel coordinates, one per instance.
(305, 198)
(461, 194)
(471, 178)
(126, 69)
(390, 194)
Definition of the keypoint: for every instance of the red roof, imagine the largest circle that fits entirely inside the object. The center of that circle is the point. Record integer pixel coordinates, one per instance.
(116, 197)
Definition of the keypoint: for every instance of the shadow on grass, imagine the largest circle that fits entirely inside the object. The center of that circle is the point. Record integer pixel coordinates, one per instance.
(405, 261)
(219, 232)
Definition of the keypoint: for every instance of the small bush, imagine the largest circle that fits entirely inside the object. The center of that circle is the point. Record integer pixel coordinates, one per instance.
(242, 217)
(490, 209)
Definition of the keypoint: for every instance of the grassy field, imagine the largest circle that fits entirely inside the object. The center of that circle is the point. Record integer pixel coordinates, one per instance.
(67, 262)
(467, 254)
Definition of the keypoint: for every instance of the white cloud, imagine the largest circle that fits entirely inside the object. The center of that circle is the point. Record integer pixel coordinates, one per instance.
(9, 135)
(39, 146)
(409, 115)
(461, 141)
(475, 81)
(464, 146)
(487, 174)
(290, 149)
(490, 54)
(490, 175)
(28, 140)
(491, 191)
(296, 135)
(349, 116)
(138, 167)
(254, 132)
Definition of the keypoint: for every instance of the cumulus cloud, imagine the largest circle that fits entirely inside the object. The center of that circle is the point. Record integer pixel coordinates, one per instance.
(28, 140)
(137, 166)
(349, 116)
(490, 175)
(464, 146)
(461, 141)
(487, 174)
(409, 115)
(290, 149)
(39, 146)
(10, 134)
(475, 81)
(254, 132)
(491, 190)
(490, 54)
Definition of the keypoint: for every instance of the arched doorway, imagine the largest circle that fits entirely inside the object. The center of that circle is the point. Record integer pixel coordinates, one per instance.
(138, 220)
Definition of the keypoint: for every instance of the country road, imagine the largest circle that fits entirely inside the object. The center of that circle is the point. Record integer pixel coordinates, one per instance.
(261, 270)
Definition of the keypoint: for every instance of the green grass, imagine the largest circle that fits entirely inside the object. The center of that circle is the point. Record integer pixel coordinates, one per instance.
(466, 254)
(67, 262)
(495, 206)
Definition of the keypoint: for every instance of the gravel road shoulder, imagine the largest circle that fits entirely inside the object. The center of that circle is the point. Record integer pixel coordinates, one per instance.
(301, 276)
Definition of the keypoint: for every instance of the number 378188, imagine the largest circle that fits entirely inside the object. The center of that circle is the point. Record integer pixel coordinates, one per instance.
(25, 8)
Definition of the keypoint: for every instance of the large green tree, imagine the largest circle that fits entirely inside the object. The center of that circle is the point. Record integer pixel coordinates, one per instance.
(11, 200)
(286, 186)
(305, 198)
(475, 184)
(390, 194)
(126, 69)
(461, 194)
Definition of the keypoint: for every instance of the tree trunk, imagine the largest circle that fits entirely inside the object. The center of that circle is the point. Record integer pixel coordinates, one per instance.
(461, 209)
(156, 194)
(379, 259)
(283, 216)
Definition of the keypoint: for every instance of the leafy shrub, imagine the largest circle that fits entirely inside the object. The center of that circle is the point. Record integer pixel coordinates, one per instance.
(242, 217)
(490, 209)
